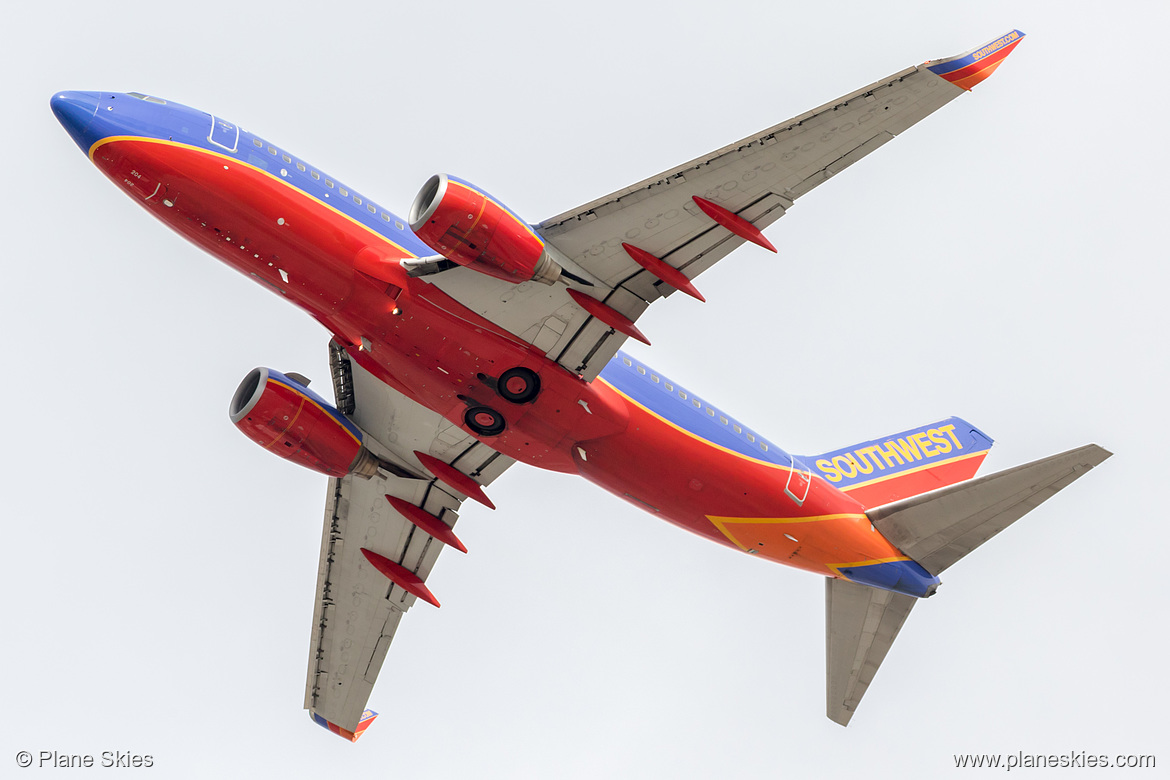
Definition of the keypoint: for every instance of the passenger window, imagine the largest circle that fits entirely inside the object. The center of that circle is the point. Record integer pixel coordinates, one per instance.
(763, 447)
(329, 183)
(370, 208)
(315, 175)
(272, 150)
(301, 167)
(710, 412)
(696, 403)
(641, 371)
(723, 419)
(399, 225)
(654, 378)
(682, 395)
(286, 158)
(385, 217)
(737, 429)
(257, 143)
(668, 386)
(357, 200)
(750, 437)
(627, 361)
(343, 192)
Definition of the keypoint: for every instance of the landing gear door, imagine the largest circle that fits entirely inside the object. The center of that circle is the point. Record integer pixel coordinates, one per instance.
(799, 480)
(224, 134)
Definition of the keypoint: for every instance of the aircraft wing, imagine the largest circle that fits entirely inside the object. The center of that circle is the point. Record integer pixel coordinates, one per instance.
(358, 608)
(756, 179)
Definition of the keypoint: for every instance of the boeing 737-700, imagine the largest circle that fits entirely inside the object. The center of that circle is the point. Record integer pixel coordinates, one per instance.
(464, 339)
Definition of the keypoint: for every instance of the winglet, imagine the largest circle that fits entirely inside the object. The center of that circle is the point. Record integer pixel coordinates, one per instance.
(967, 70)
(363, 724)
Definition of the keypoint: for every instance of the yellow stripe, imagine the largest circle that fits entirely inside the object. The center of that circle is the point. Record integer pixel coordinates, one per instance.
(93, 149)
(715, 521)
(719, 522)
(488, 199)
(291, 422)
(810, 519)
(326, 412)
(305, 398)
(923, 467)
(698, 438)
(836, 567)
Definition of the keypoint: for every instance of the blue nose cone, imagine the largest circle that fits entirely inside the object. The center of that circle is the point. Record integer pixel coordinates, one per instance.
(75, 111)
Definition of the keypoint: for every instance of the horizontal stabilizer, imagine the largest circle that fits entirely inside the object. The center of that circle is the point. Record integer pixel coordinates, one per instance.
(937, 529)
(860, 625)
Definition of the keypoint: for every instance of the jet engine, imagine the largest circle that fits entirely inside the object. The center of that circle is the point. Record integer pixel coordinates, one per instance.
(285, 417)
(469, 227)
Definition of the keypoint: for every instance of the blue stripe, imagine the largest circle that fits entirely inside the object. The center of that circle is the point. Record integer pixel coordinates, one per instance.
(912, 449)
(189, 126)
(898, 576)
(332, 411)
(497, 201)
(663, 397)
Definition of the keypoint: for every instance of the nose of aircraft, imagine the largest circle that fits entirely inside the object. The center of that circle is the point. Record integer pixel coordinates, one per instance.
(75, 112)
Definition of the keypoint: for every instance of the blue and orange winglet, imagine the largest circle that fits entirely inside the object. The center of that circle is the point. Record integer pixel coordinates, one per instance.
(967, 70)
(363, 724)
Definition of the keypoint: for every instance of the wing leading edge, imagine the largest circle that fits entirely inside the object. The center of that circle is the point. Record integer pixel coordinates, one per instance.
(756, 180)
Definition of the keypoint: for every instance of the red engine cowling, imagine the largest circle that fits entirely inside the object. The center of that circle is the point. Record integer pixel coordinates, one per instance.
(467, 226)
(290, 420)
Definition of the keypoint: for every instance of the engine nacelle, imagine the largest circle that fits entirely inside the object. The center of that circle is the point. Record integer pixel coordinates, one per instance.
(467, 226)
(290, 420)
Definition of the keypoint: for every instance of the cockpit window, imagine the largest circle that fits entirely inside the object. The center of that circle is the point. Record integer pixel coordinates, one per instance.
(147, 98)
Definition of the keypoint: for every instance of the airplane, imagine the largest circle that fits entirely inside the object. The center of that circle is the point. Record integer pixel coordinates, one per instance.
(464, 338)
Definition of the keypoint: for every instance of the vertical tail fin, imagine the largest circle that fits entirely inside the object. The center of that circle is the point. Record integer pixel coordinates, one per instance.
(906, 464)
(936, 530)
(861, 623)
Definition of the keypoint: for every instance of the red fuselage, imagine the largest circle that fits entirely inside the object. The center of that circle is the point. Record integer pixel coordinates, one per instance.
(435, 351)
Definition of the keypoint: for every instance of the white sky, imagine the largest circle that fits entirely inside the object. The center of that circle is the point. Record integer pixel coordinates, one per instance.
(1002, 261)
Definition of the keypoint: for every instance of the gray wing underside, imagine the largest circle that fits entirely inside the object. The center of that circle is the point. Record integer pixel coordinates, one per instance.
(758, 177)
(861, 623)
(357, 610)
(937, 529)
